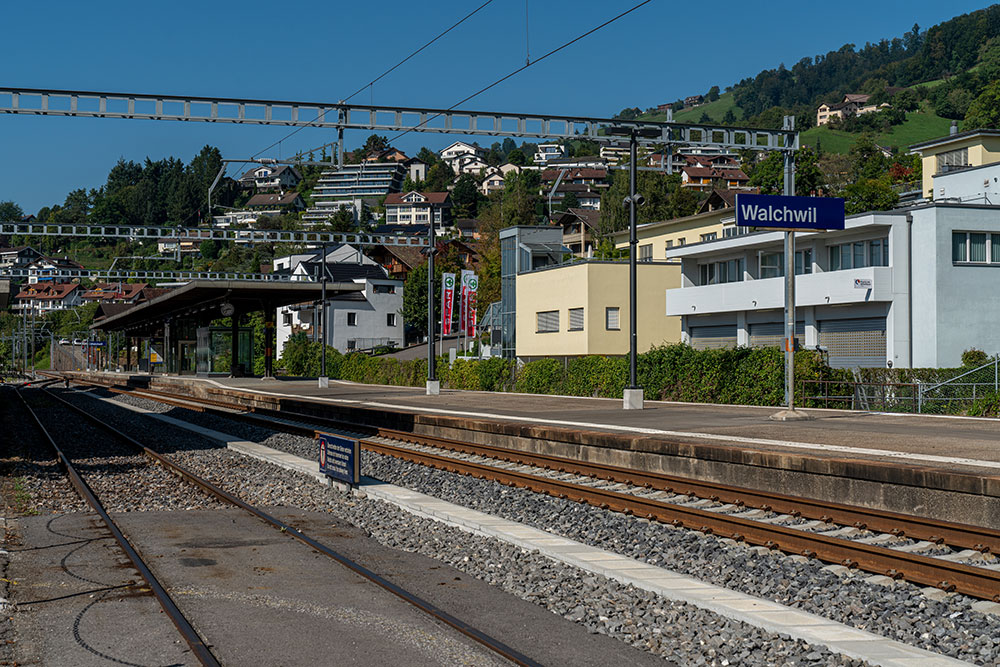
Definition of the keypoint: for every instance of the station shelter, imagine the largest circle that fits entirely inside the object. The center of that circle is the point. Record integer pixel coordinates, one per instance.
(173, 333)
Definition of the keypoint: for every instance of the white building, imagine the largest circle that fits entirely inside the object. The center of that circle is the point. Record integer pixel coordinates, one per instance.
(913, 287)
(356, 321)
(464, 158)
(548, 152)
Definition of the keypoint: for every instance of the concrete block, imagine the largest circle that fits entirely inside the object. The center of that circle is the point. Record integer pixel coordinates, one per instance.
(632, 399)
(790, 416)
(433, 387)
(986, 607)
(324, 383)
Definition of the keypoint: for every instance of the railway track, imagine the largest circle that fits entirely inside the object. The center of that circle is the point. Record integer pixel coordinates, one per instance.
(196, 643)
(198, 647)
(945, 555)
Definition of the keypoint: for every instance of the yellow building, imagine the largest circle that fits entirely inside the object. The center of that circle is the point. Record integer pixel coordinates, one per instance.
(956, 151)
(582, 308)
(655, 238)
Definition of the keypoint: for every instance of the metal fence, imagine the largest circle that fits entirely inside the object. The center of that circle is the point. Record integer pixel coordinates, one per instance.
(952, 396)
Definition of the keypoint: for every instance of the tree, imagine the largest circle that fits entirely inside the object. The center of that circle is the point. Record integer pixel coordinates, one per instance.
(520, 201)
(569, 201)
(342, 220)
(517, 157)
(415, 290)
(869, 194)
(375, 144)
(209, 249)
(439, 177)
(984, 112)
(713, 94)
(10, 212)
(705, 118)
(867, 159)
(465, 197)
(428, 156)
(729, 118)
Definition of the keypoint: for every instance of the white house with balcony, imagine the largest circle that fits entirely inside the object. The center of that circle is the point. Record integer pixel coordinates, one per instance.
(914, 287)
(546, 152)
(354, 321)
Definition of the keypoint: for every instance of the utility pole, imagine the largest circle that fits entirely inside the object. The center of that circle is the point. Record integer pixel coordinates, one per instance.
(324, 380)
(433, 385)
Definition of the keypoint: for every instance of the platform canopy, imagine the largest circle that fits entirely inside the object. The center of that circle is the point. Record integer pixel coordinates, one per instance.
(212, 299)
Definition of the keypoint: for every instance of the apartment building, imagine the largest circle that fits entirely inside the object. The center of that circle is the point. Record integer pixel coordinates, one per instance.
(416, 208)
(352, 186)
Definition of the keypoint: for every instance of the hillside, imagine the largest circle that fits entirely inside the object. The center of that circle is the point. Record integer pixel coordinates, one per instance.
(928, 77)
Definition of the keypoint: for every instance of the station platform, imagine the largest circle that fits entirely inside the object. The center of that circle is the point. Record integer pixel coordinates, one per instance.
(941, 467)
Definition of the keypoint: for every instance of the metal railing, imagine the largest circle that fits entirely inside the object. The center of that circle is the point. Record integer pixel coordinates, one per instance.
(952, 396)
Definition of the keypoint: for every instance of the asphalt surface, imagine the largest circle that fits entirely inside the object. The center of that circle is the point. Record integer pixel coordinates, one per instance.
(260, 597)
(918, 434)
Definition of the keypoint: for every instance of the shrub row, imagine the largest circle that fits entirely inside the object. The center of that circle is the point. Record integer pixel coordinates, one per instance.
(748, 376)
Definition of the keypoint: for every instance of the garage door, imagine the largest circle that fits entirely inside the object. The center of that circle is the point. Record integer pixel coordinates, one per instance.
(854, 343)
(772, 334)
(713, 337)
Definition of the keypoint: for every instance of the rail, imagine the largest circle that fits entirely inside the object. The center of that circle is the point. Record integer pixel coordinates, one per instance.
(925, 570)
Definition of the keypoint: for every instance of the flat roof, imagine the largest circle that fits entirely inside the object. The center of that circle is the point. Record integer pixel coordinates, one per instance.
(958, 136)
(203, 298)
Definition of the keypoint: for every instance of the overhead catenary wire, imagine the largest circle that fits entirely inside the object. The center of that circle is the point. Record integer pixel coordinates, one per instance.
(506, 77)
(319, 117)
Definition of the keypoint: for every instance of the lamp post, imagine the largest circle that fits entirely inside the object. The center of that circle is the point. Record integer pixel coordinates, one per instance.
(633, 398)
(433, 385)
(324, 379)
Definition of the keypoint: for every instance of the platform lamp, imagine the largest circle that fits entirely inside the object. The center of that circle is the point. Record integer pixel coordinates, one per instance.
(633, 399)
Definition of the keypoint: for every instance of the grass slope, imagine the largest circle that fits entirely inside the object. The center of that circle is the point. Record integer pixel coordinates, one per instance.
(919, 126)
(715, 110)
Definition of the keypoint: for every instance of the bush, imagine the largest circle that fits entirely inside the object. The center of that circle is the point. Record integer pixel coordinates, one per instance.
(545, 376)
(596, 376)
(973, 358)
(986, 406)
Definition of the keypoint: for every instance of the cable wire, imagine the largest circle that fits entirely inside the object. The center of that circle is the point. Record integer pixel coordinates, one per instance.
(371, 83)
(508, 76)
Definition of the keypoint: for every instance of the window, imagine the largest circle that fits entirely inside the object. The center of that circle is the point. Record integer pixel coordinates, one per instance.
(352, 319)
(859, 254)
(772, 264)
(286, 319)
(803, 262)
(953, 160)
(384, 289)
(681, 241)
(547, 321)
(670, 244)
(711, 236)
(576, 319)
(352, 345)
(390, 319)
(611, 319)
(975, 248)
(729, 271)
(646, 253)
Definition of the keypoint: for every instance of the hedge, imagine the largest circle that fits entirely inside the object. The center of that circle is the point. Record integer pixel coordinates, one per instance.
(748, 376)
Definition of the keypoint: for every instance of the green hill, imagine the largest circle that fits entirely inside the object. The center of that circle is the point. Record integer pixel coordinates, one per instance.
(919, 126)
(716, 111)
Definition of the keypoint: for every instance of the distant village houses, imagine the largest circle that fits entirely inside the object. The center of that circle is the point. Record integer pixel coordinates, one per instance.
(853, 104)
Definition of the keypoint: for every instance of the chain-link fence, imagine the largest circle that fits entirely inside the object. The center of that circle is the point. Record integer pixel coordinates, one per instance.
(973, 391)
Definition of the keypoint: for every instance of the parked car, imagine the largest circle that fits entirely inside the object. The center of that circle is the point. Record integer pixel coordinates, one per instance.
(77, 341)
(64, 341)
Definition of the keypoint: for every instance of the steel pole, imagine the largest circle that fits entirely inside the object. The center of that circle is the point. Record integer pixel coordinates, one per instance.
(789, 190)
(633, 241)
(322, 352)
(431, 338)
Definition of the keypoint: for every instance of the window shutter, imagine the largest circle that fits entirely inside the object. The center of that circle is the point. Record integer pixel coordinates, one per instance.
(576, 319)
(547, 321)
(611, 319)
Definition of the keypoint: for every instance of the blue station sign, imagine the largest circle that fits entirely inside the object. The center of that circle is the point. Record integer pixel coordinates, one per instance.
(781, 212)
(340, 458)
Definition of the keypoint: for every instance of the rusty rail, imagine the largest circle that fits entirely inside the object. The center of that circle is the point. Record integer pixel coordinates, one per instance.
(925, 570)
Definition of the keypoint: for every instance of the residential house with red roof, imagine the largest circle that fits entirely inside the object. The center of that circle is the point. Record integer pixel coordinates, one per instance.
(415, 208)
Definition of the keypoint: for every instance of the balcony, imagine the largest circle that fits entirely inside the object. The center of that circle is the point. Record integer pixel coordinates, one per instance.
(813, 289)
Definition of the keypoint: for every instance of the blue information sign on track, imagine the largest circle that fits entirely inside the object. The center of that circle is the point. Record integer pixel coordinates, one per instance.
(340, 458)
(777, 211)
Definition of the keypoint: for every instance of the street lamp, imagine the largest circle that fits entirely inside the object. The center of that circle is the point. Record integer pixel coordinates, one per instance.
(633, 399)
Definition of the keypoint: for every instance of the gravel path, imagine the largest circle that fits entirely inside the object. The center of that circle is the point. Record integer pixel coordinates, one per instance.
(898, 611)
(123, 480)
(678, 631)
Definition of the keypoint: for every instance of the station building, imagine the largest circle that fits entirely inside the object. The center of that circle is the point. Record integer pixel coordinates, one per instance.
(912, 287)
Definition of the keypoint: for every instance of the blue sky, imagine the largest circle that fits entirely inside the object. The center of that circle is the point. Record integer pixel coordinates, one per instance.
(325, 51)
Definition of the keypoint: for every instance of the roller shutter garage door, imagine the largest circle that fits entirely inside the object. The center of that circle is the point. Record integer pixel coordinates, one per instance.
(713, 336)
(772, 334)
(854, 343)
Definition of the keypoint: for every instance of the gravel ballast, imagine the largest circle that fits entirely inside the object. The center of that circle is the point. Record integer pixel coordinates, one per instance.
(900, 611)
